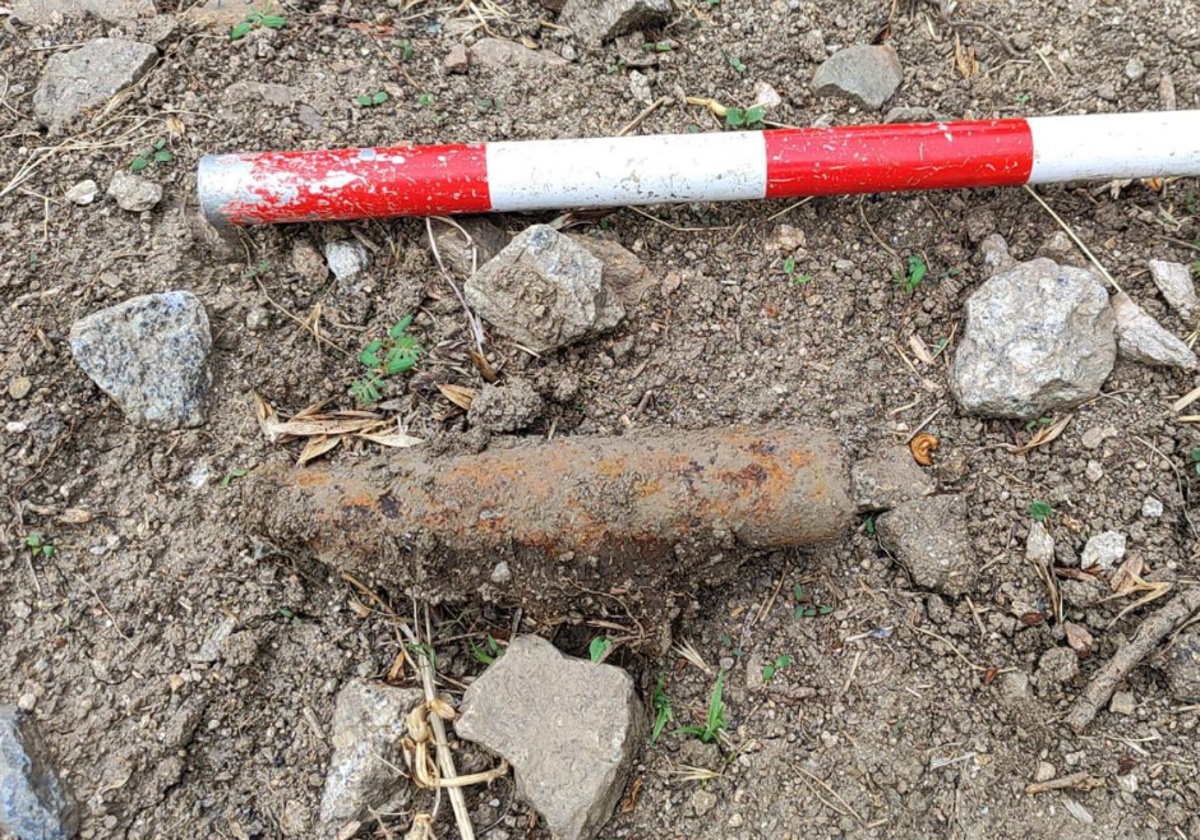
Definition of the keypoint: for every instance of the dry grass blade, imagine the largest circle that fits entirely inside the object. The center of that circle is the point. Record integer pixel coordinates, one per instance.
(327, 430)
(691, 773)
(1186, 400)
(397, 438)
(1083, 780)
(920, 349)
(1154, 592)
(1042, 436)
(687, 651)
(459, 395)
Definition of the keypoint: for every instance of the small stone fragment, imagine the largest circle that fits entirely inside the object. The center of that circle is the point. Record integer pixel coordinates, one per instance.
(1037, 338)
(1134, 69)
(85, 78)
(1094, 437)
(34, 801)
(457, 60)
(1039, 545)
(1080, 640)
(1058, 666)
(150, 354)
(865, 74)
(365, 768)
(462, 256)
(1045, 772)
(597, 21)
(496, 52)
(261, 93)
(502, 573)
(133, 193)
(639, 87)
(624, 274)
(1142, 339)
(994, 252)
(1152, 508)
(766, 97)
(702, 801)
(545, 291)
(1104, 551)
(83, 193)
(1014, 687)
(888, 478)
(307, 261)
(570, 728)
(20, 387)
(1175, 282)
(929, 536)
(347, 259)
(44, 11)
(1094, 471)
(1183, 668)
(508, 408)
(1122, 703)
(1061, 248)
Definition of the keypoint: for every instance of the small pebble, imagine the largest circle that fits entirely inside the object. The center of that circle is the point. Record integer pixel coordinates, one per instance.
(1122, 703)
(27, 701)
(1094, 471)
(1152, 508)
(83, 193)
(1134, 69)
(20, 387)
(1045, 772)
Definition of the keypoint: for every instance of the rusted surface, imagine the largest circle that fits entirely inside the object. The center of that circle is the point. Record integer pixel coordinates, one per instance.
(647, 517)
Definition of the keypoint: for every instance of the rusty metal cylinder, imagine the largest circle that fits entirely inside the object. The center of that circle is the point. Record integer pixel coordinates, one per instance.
(640, 514)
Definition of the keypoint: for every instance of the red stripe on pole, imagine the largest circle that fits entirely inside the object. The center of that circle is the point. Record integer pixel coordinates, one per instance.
(332, 185)
(886, 158)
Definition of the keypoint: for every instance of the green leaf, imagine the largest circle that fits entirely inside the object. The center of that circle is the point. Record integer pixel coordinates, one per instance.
(789, 266)
(1039, 510)
(663, 713)
(363, 101)
(870, 523)
(400, 326)
(139, 163)
(768, 673)
(380, 97)
(824, 609)
(735, 117)
(782, 662)
(755, 115)
(801, 279)
(34, 540)
(598, 648)
(254, 17)
(486, 659)
(159, 144)
(406, 50)
(240, 31)
(274, 21)
(736, 64)
(228, 480)
(47, 551)
(163, 156)
(1196, 454)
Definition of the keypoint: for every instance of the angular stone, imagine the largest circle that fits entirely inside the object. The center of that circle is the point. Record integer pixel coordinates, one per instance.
(347, 260)
(505, 409)
(1039, 545)
(457, 60)
(365, 768)
(597, 21)
(150, 354)
(994, 252)
(88, 77)
(462, 256)
(496, 52)
(929, 536)
(545, 291)
(43, 11)
(1174, 280)
(1037, 338)
(887, 479)
(134, 194)
(1142, 339)
(865, 74)
(1183, 668)
(624, 273)
(570, 729)
(34, 800)
(83, 193)
(1103, 551)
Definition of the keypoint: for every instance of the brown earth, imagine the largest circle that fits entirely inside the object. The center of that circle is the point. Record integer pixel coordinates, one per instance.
(155, 605)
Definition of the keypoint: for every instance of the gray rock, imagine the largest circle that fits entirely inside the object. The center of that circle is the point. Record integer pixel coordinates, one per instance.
(702, 801)
(308, 263)
(639, 87)
(1103, 551)
(220, 13)
(365, 769)
(1135, 69)
(1039, 545)
(1142, 339)
(133, 193)
(83, 193)
(502, 574)
(1174, 280)
(461, 255)
(43, 11)
(1058, 666)
(545, 291)
(570, 729)
(865, 74)
(505, 409)
(1037, 338)
(929, 536)
(347, 259)
(181, 727)
(597, 21)
(35, 803)
(1122, 703)
(88, 77)
(1183, 668)
(887, 479)
(994, 252)
(457, 60)
(150, 354)
(624, 273)
(496, 52)
(1152, 508)
(1014, 688)
(812, 46)
(1060, 247)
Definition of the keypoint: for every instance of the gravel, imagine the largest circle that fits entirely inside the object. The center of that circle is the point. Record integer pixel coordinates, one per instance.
(1142, 339)
(1174, 281)
(867, 75)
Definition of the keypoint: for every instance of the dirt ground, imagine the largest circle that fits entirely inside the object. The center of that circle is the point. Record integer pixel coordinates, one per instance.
(876, 728)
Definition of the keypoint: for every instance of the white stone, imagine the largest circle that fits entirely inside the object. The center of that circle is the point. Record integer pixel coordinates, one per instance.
(1104, 551)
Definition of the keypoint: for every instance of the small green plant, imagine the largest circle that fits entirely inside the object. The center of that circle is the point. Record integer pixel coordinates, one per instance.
(1196, 268)
(744, 117)
(805, 607)
(1041, 421)
(909, 279)
(1196, 459)
(405, 47)
(775, 667)
(233, 476)
(1023, 99)
(598, 648)
(713, 3)
(658, 46)
(38, 546)
(663, 713)
(290, 616)
(736, 63)
(254, 20)
(373, 100)
(258, 268)
(158, 154)
(1040, 510)
(715, 723)
(734, 650)
(383, 358)
(869, 524)
(789, 269)
(491, 654)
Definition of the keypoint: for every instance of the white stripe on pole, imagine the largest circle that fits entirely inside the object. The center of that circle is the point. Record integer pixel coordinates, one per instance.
(614, 171)
(1109, 146)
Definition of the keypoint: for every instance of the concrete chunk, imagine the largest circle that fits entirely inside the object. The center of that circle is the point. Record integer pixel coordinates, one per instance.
(88, 77)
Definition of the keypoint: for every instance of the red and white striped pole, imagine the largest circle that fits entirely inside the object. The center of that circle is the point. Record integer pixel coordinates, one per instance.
(342, 184)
